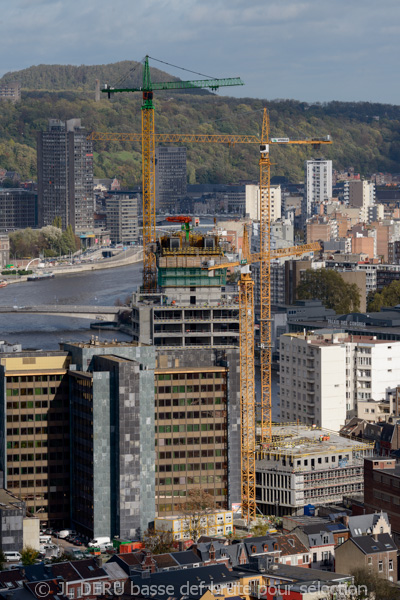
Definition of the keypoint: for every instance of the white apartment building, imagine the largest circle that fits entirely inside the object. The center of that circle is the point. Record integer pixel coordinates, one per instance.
(253, 202)
(312, 380)
(324, 375)
(317, 185)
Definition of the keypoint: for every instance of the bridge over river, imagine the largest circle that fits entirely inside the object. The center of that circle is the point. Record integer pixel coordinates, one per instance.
(101, 313)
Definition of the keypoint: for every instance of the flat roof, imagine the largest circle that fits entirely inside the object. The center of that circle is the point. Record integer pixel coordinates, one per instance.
(9, 501)
(297, 440)
(160, 371)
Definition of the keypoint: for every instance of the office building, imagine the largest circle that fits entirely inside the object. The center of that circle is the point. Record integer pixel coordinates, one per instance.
(112, 438)
(122, 219)
(65, 175)
(34, 432)
(317, 186)
(170, 169)
(18, 209)
(308, 466)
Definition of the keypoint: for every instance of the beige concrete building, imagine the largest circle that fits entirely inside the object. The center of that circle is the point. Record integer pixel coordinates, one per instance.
(253, 202)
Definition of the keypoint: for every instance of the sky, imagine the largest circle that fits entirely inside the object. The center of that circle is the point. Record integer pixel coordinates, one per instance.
(308, 50)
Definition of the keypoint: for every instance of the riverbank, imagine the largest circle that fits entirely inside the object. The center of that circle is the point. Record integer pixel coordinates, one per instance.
(106, 263)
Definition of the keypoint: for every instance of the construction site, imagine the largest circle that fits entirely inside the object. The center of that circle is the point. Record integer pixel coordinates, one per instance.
(305, 466)
(185, 301)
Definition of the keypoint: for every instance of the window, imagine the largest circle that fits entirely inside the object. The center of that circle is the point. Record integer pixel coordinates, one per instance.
(390, 565)
(380, 566)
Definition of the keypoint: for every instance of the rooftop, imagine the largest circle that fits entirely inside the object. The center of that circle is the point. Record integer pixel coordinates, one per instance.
(294, 441)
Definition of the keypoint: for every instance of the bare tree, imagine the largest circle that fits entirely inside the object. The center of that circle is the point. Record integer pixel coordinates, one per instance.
(196, 510)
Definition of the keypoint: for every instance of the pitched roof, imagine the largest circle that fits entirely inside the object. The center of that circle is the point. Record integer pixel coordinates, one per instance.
(369, 545)
(89, 569)
(188, 557)
(290, 544)
(362, 524)
(188, 583)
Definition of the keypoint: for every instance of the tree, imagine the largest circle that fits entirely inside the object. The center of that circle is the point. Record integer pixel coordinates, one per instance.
(158, 542)
(28, 556)
(57, 222)
(2, 559)
(389, 296)
(195, 510)
(328, 286)
(372, 586)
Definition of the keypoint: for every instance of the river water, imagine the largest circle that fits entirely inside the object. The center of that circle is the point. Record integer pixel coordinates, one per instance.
(96, 288)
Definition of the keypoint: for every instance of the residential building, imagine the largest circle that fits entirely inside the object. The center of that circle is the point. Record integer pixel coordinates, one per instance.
(122, 219)
(382, 489)
(317, 186)
(65, 175)
(170, 174)
(321, 229)
(18, 209)
(376, 553)
(361, 195)
(321, 540)
(11, 91)
(307, 466)
(214, 523)
(252, 208)
(34, 432)
(358, 368)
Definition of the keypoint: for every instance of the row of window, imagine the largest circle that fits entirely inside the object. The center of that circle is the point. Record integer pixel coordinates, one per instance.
(209, 414)
(37, 391)
(189, 401)
(190, 441)
(187, 376)
(191, 453)
(36, 457)
(25, 378)
(190, 467)
(190, 427)
(196, 479)
(189, 389)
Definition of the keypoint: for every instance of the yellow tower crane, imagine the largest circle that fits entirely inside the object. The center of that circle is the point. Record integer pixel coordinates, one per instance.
(148, 155)
(245, 289)
(247, 368)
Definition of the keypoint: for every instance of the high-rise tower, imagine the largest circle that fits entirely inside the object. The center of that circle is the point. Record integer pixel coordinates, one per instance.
(317, 185)
(65, 175)
(170, 176)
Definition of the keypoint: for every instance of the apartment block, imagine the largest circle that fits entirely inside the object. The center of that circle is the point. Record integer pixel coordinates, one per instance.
(65, 175)
(307, 466)
(122, 219)
(35, 432)
(324, 375)
(317, 186)
(361, 195)
(253, 202)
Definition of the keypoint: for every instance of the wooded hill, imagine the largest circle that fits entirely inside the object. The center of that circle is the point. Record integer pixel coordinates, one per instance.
(365, 135)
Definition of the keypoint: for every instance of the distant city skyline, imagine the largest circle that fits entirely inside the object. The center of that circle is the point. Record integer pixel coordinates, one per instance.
(306, 50)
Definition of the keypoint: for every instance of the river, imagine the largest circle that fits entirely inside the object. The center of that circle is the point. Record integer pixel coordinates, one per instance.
(97, 288)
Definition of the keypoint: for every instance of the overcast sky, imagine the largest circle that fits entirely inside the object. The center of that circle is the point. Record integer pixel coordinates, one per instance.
(312, 50)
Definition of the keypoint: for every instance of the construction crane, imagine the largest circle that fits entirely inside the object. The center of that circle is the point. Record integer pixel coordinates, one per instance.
(246, 293)
(185, 224)
(247, 368)
(148, 155)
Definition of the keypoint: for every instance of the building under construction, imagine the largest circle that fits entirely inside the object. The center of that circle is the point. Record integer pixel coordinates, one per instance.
(197, 392)
(192, 307)
(308, 466)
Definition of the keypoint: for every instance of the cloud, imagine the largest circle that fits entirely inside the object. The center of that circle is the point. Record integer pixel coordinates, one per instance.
(305, 49)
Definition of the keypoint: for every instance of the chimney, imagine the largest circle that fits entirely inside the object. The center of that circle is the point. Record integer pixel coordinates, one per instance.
(211, 552)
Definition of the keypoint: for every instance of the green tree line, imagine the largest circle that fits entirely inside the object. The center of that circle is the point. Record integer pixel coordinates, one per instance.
(364, 135)
(48, 241)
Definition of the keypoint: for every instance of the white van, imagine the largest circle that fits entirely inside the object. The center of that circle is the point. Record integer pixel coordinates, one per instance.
(64, 533)
(45, 539)
(12, 556)
(99, 542)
